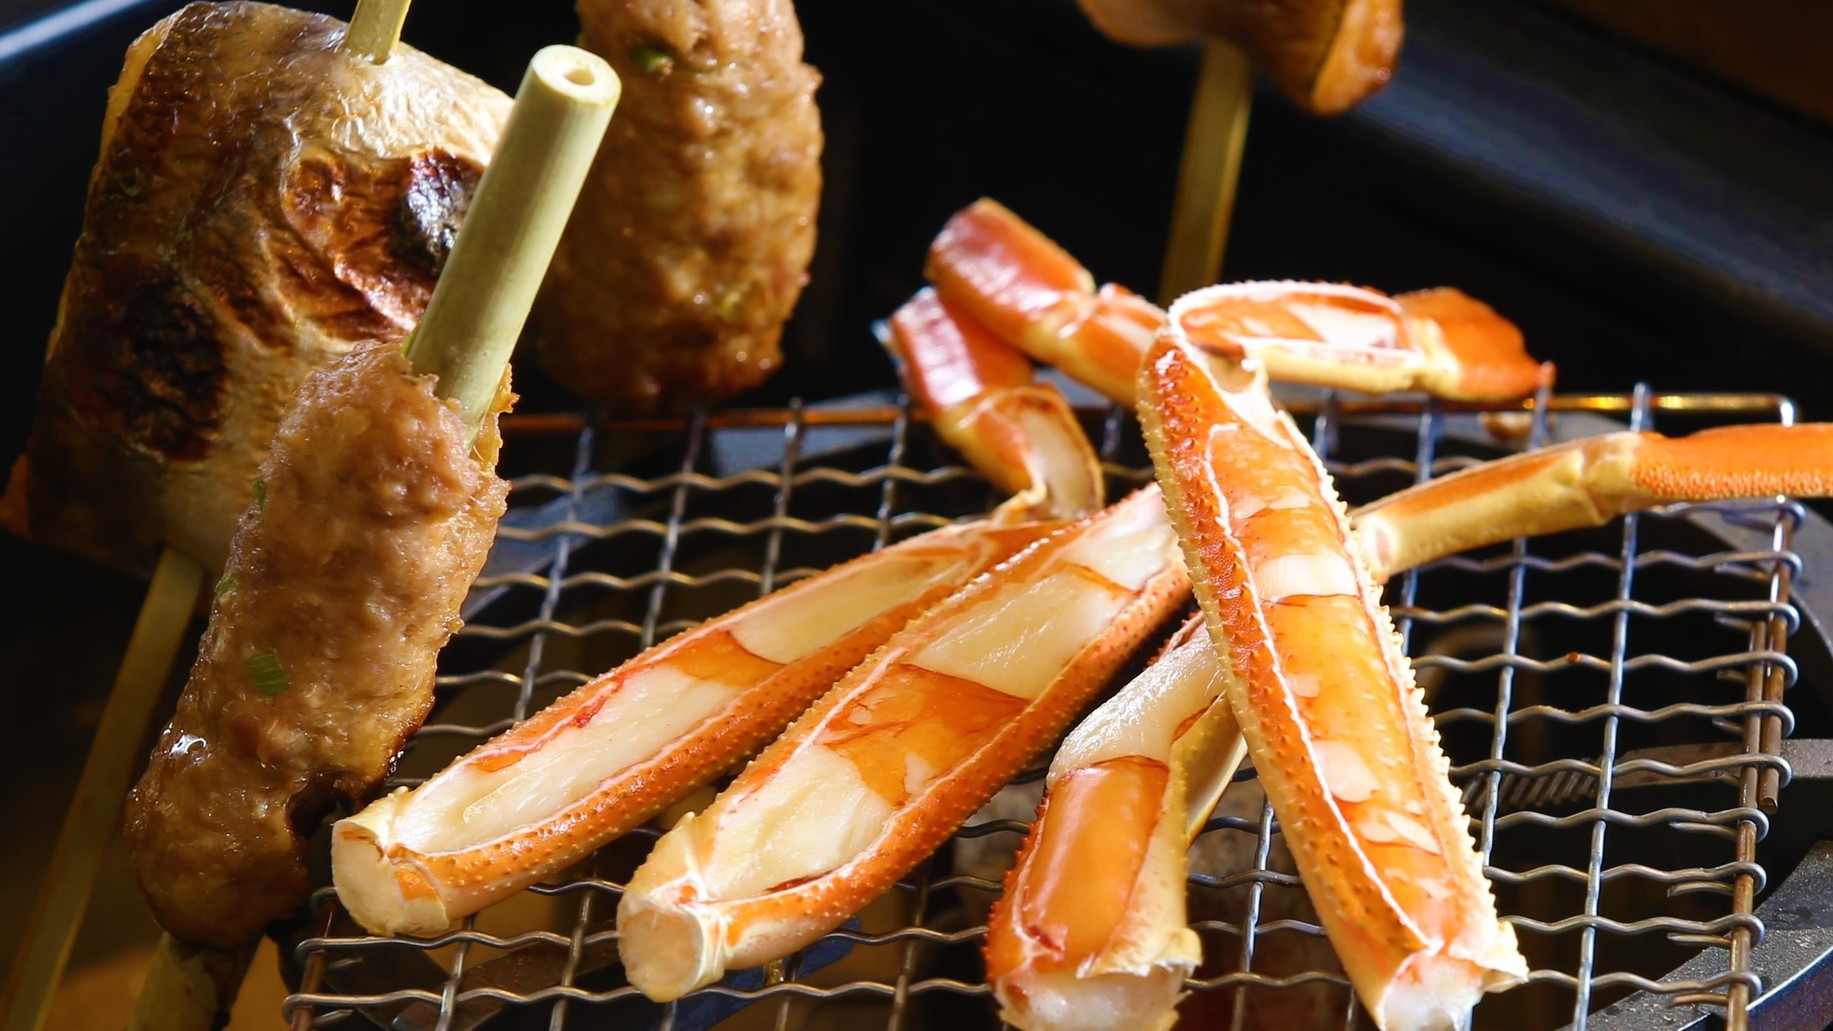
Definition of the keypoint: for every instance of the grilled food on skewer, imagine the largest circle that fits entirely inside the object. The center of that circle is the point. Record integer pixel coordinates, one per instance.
(374, 513)
(1326, 55)
(372, 516)
(691, 242)
(263, 201)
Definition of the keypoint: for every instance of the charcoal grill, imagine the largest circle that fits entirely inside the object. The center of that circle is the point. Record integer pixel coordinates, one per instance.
(1614, 702)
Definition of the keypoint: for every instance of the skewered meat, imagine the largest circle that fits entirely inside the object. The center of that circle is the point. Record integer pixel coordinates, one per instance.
(691, 242)
(1327, 55)
(373, 515)
(263, 201)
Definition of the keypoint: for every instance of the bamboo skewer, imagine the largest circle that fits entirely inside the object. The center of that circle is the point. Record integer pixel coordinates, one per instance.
(159, 630)
(375, 29)
(1210, 170)
(483, 297)
(114, 758)
(465, 338)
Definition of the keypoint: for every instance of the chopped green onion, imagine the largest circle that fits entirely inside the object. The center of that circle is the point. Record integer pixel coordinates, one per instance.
(265, 673)
(651, 57)
(225, 585)
(260, 493)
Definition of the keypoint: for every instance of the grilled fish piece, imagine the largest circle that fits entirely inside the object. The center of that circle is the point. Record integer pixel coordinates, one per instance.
(263, 201)
(691, 241)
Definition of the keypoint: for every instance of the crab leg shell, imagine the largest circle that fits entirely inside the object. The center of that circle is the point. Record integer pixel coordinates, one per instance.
(625, 745)
(1029, 292)
(1330, 335)
(1022, 436)
(1325, 697)
(881, 770)
(1091, 930)
(1033, 294)
(1589, 482)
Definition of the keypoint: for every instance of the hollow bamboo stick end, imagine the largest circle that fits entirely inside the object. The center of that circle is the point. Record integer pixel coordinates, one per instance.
(514, 224)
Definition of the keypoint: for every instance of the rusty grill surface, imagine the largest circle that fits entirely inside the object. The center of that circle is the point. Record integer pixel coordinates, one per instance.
(1612, 702)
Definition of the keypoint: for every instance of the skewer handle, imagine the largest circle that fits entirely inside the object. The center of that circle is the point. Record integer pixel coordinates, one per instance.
(375, 29)
(95, 812)
(508, 238)
(1211, 168)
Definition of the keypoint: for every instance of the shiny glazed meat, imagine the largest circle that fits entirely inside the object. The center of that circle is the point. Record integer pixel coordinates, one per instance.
(342, 584)
(262, 202)
(692, 237)
(1326, 55)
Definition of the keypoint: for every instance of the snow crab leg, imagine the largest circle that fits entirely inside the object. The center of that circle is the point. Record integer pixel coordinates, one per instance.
(621, 748)
(1091, 930)
(1322, 690)
(883, 768)
(1112, 950)
(1588, 483)
(982, 402)
(1018, 283)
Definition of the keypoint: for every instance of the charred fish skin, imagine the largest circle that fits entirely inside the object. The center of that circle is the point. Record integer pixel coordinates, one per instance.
(691, 242)
(262, 202)
(373, 515)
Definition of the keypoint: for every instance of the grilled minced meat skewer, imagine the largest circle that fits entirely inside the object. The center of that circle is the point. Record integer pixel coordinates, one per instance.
(692, 238)
(265, 199)
(372, 516)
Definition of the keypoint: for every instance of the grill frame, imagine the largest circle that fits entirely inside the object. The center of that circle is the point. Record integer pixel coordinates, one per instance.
(341, 973)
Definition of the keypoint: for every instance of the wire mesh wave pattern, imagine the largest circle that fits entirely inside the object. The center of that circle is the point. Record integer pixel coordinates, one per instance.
(1612, 702)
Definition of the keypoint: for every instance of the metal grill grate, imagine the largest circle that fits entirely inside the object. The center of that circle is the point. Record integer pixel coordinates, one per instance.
(1612, 702)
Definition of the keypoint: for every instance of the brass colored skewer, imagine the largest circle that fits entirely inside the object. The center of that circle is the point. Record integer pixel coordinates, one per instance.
(95, 812)
(1209, 171)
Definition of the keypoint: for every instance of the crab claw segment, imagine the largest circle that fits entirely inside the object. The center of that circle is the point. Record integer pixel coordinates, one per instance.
(1031, 293)
(1091, 931)
(1022, 436)
(1588, 483)
(1440, 341)
(1324, 694)
(883, 768)
(622, 747)
(1018, 283)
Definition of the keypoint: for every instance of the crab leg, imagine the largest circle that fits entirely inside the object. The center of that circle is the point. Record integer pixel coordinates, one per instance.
(1091, 930)
(882, 769)
(1323, 693)
(982, 402)
(1588, 483)
(1030, 292)
(620, 748)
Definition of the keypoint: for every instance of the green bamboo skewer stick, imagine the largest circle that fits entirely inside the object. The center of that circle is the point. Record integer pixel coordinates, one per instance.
(465, 339)
(375, 29)
(482, 301)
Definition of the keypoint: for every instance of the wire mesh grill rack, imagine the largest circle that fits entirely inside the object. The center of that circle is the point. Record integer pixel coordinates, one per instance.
(1612, 702)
